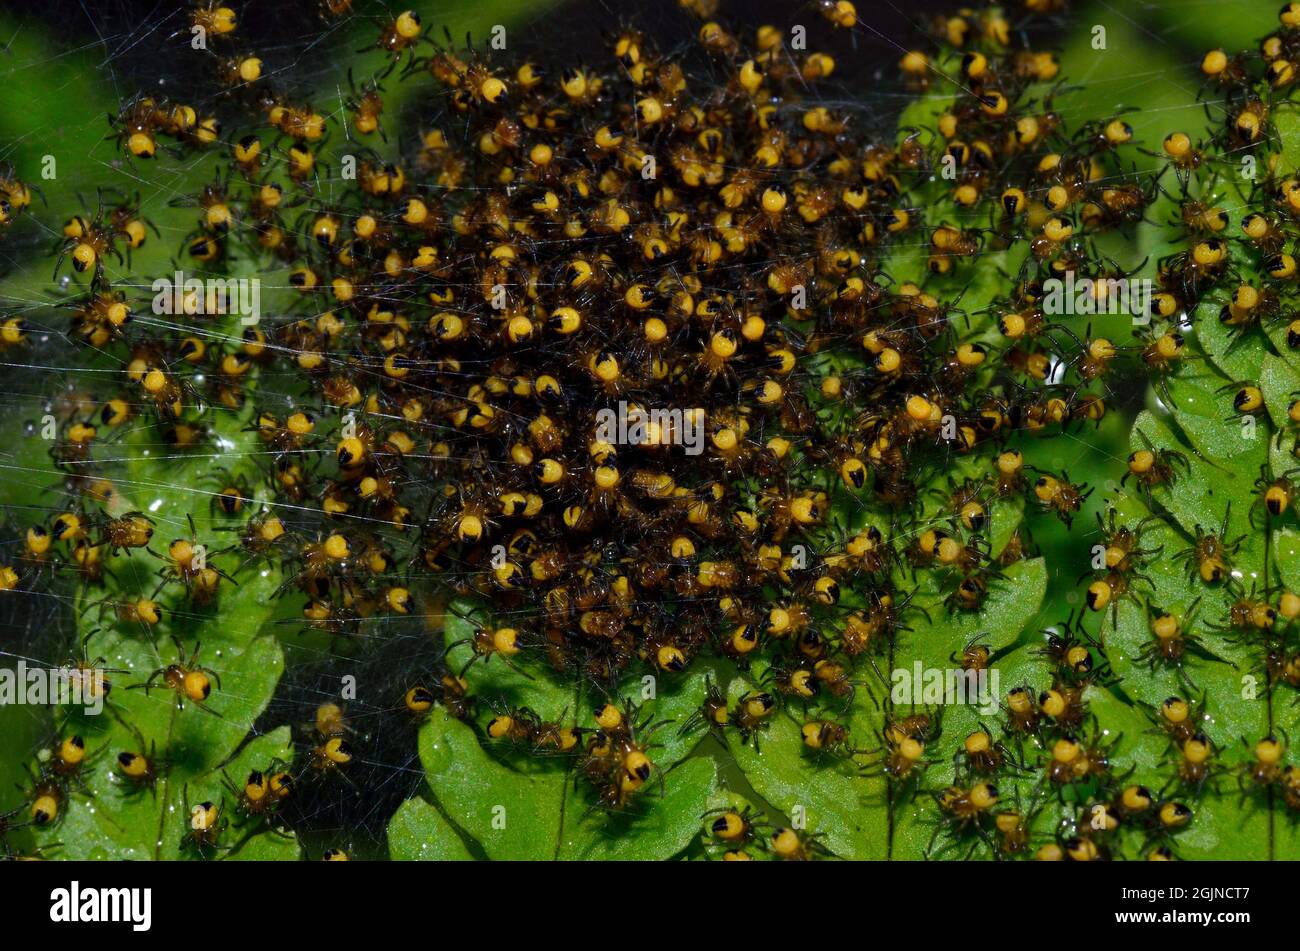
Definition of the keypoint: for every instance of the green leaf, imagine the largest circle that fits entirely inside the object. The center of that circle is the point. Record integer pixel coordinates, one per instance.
(251, 839)
(233, 637)
(1013, 601)
(515, 813)
(1012, 604)
(197, 742)
(1287, 124)
(418, 832)
(914, 833)
(1221, 463)
(1221, 828)
(850, 811)
(668, 827)
(1237, 356)
(529, 810)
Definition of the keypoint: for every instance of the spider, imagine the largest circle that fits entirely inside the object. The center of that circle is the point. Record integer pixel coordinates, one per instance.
(1274, 495)
(1210, 557)
(366, 104)
(125, 219)
(399, 35)
(139, 770)
(331, 757)
(1153, 467)
(261, 795)
(187, 562)
(503, 642)
(67, 761)
(233, 495)
(15, 194)
(89, 243)
(186, 678)
(206, 821)
(88, 676)
(982, 755)
(1171, 640)
(131, 530)
(962, 810)
(136, 126)
(216, 216)
(1190, 273)
(45, 800)
(212, 18)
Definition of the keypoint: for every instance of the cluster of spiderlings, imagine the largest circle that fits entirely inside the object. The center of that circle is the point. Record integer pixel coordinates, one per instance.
(709, 246)
(629, 237)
